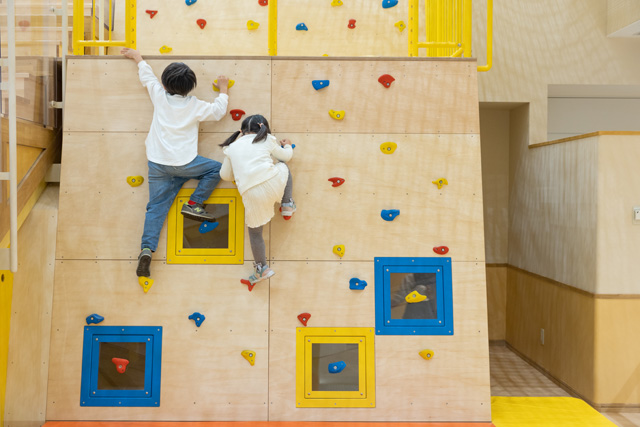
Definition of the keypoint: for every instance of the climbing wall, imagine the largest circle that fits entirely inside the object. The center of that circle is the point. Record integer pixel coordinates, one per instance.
(430, 111)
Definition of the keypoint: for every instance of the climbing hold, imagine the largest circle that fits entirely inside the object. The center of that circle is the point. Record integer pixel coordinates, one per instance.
(336, 368)
(357, 284)
(339, 250)
(121, 364)
(389, 214)
(201, 23)
(440, 182)
(252, 25)
(250, 356)
(151, 13)
(352, 23)
(337, 182)
(248, 283)
(134, 181)
(145, 282)
(237, 114)
(301, 27)
(207, 226)
(190, 2)
(426, 354)
(414, 297)
(320, 84)
(94, 318)
(441, 250)
(24, 24)
(304, 318)
(263, 2)
(386, 4)
(386, 80)
(198, 318)
(165, 49)
(338, 115)
(388, 147)
(229, 86)
(400, 25)
(336, 2)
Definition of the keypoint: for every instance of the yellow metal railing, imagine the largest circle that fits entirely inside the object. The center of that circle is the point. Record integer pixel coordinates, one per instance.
(448, 29)
(96, 40)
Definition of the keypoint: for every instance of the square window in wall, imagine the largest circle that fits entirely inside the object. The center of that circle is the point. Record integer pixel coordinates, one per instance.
(335, 368)
(413, 296)
(121, 366)
(220, 242)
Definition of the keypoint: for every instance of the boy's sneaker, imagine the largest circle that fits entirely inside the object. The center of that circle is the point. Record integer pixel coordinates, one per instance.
(260, 273)
(287, 209)
(197, 212)
(144, 263)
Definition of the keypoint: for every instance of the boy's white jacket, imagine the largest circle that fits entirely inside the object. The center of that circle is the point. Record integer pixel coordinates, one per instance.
(250, 164)
(173, 136)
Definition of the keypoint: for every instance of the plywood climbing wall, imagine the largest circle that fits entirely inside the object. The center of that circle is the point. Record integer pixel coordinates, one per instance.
(430, 112)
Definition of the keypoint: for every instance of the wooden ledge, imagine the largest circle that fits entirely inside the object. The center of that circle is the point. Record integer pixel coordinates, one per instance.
(583, 136)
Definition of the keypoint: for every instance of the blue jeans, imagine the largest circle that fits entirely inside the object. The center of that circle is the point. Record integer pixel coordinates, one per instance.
(164, 184)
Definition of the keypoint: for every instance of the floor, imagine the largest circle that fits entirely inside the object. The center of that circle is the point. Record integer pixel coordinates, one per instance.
(512, 376)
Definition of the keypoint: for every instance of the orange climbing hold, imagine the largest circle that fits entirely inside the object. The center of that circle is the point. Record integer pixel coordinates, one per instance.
(441, 250)
(121, 364)
(304, 318)
(352, 23)
(237, 114)
(336, 181)
(201, 23)
(263, 2)
(248, 283)
(151, 13)
(386, 80)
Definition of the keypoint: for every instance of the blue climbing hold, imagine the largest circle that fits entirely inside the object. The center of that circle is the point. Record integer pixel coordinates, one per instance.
(198, 318)
(357, 284)
(386, 4)
(389, 214)
(336, 368)
(320, 84)
(190, 2)
(301, 27)
(206, 226)
(94, 318)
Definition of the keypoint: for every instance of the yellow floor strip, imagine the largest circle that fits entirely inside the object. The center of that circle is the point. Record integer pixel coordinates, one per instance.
(545, 412)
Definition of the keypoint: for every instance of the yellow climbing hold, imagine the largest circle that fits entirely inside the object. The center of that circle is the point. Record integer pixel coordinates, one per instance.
(388, 147)
(339, 250)
(165, 49)
(336, 2)
(231, 83)
(440, 182)
(338, 115)
(250, 355)
(135, 181)
(414, 297)
(400, 25)
(252, 25)
(145, 282)
(426, 354)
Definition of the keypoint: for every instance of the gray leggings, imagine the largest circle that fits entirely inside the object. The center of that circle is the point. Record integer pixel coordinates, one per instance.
(255, 234)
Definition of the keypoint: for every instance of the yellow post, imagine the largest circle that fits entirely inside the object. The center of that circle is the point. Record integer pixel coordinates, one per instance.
(489, 37)
(78, 26)
(130, 26)
(466, 31)
(273, 28)
(414, 20)
(110, 20)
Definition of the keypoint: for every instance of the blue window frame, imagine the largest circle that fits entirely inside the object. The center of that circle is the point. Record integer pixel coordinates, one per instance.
(401, 287)
(105, 382)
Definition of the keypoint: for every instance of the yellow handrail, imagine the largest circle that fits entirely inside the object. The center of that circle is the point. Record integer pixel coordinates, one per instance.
(79, 42)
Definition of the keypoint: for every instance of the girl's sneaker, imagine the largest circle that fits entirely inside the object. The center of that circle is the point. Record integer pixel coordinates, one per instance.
(260, 273)
(287, 210)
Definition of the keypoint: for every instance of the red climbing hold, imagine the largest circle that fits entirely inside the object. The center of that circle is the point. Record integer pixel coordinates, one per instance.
(263, 2)
(121, 364)
(441, 250)
(24, 24)
(237, 114)
(352, 23)
(248, 283)
(386, 80)
(336, 181)
(151, 13)
(304, 318)
(201, 23)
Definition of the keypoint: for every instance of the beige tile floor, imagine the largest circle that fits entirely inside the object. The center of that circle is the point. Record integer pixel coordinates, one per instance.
(512, 376)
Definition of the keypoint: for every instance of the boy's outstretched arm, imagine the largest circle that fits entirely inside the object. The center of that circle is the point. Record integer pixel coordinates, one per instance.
(223, 84)
(131, 54)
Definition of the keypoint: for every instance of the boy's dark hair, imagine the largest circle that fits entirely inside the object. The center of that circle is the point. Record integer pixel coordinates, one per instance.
(179, 79)
(253, 124)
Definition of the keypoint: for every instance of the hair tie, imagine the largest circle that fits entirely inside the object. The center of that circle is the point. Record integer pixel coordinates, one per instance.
(260, 124)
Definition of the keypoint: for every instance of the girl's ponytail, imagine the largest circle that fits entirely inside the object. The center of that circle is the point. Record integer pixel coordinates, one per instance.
(232, 138)
(262, 133)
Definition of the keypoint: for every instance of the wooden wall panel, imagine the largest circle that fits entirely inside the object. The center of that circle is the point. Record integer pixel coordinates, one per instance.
(113, 99)
(497, 302)
(431, 390)
(204, 376)
(428, 96)
(350, 214)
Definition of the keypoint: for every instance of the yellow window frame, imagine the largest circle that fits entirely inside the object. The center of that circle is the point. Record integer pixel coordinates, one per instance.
(364, 397)
(233, 254)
